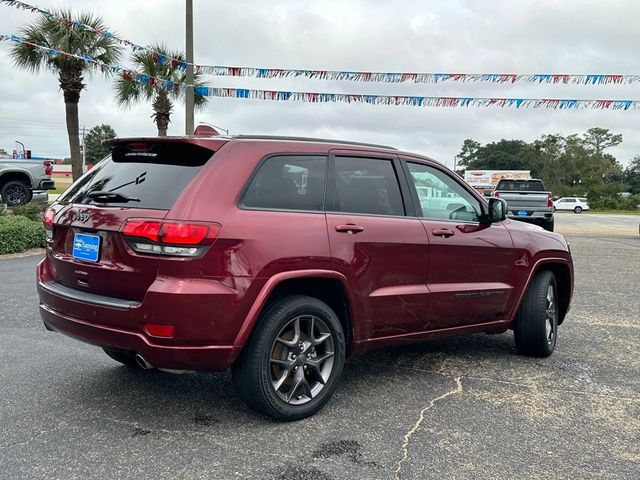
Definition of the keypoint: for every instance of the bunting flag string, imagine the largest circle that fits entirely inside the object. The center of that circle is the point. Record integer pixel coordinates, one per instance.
(176, 63)
(127, 74)
(318, 97)
(341, 75)
(386, 77)
(420, 101)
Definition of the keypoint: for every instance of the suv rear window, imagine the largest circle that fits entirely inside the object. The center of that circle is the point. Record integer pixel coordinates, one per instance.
(288, 182)
(151, 175)
(521, 185)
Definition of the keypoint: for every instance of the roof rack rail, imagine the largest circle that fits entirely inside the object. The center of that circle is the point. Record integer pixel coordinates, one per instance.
(310, 139)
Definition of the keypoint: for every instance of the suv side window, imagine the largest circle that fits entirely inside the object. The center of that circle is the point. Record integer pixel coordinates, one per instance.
(288, 182)
(367, 186)
(441, 197)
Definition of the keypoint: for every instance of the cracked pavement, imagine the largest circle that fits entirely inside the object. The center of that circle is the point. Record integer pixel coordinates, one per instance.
(462, 407)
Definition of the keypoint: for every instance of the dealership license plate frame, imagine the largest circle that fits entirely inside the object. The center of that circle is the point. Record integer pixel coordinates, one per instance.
(86, 247)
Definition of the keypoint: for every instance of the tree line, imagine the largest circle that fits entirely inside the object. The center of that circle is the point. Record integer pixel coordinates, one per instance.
(572, 165)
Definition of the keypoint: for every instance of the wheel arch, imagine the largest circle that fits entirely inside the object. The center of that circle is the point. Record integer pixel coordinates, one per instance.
(329, 286)
(562, 271)
(15, 176)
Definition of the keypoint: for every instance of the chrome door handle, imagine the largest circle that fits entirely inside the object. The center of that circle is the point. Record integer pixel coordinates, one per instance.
(349, 228)
(443, 232)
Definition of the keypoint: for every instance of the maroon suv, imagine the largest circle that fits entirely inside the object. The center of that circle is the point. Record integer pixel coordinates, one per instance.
(279, 257)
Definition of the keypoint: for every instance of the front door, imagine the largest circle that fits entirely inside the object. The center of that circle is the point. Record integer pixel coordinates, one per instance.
(373, 241)
(469, 261)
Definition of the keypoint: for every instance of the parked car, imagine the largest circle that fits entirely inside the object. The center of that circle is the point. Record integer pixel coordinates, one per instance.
(280, 257)
(22, 181)
(527, 201)
(572, 203)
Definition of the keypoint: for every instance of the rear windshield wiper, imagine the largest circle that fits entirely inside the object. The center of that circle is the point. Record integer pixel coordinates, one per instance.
(111, 197)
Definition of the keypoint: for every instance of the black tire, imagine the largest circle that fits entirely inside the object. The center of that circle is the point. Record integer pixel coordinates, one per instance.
(536, 316)
(15, 193)
(125, 358)
(578, 210)
(254, 371)
(549, 225)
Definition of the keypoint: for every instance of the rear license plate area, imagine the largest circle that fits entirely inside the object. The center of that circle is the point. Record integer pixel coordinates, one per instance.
(86, 247)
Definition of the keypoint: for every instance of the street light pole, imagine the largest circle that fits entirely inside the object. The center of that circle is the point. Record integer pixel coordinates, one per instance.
(24, 151)
(189, 118)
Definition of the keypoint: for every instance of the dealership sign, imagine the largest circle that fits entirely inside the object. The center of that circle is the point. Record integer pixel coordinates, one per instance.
(490, 178)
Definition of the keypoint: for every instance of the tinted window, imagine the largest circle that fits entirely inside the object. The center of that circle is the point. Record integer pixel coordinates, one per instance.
(521, 185)
(441, 197)
(366, 185)
(288, 182)
(154, 174)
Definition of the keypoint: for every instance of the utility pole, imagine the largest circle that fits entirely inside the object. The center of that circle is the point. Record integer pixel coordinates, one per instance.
(189, 118)
(84, 150)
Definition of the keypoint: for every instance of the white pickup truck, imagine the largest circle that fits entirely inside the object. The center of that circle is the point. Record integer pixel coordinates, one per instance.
(22, 181)
(527, 200)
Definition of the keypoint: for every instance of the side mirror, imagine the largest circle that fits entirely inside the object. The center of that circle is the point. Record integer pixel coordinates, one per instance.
(497, 210)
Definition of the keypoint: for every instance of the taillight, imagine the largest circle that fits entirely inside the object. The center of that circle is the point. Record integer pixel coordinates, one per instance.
(496, 194)
(48, 168)
(169, 238)
(141, 228)
(184, 233)
(550, 200)
(47, 220)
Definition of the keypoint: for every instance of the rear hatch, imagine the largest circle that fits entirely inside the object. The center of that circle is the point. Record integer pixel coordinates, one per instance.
(133, 188)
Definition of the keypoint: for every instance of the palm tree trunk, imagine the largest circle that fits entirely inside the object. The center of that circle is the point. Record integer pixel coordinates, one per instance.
(162, 107)
(70, 79)
(71, 111)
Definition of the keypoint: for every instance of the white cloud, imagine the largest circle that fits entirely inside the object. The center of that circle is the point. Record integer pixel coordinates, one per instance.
(573, 36)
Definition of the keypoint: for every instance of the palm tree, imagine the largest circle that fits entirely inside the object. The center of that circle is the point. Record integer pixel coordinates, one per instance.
(49, 32)
(146, 62)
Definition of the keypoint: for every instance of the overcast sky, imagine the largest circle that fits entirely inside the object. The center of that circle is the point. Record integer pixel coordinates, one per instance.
(545, 36)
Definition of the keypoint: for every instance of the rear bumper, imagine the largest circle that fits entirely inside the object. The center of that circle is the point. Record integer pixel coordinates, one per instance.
(179, 357)
(533, 216)
(40, 196)
(203, 315)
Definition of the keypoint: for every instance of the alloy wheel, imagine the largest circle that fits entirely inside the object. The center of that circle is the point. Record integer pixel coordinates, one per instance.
(301, 359)
(16, 195)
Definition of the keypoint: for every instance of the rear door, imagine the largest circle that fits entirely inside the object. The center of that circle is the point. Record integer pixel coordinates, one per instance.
(140, 181)
(377, 243)
(469, 262)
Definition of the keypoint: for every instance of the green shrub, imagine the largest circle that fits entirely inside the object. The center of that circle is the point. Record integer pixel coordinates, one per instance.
(33, 211)
(18, 233)
(614, 202)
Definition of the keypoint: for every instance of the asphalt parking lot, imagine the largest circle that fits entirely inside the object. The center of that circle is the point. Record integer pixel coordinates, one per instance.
(465, 407)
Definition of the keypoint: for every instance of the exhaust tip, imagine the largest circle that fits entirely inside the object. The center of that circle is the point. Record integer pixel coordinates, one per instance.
(142, 363)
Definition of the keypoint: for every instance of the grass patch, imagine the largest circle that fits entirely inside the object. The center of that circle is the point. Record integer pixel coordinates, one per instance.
(614, 212)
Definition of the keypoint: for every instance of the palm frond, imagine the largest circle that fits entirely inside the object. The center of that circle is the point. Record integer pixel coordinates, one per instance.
(145, 63)
(53, 34)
